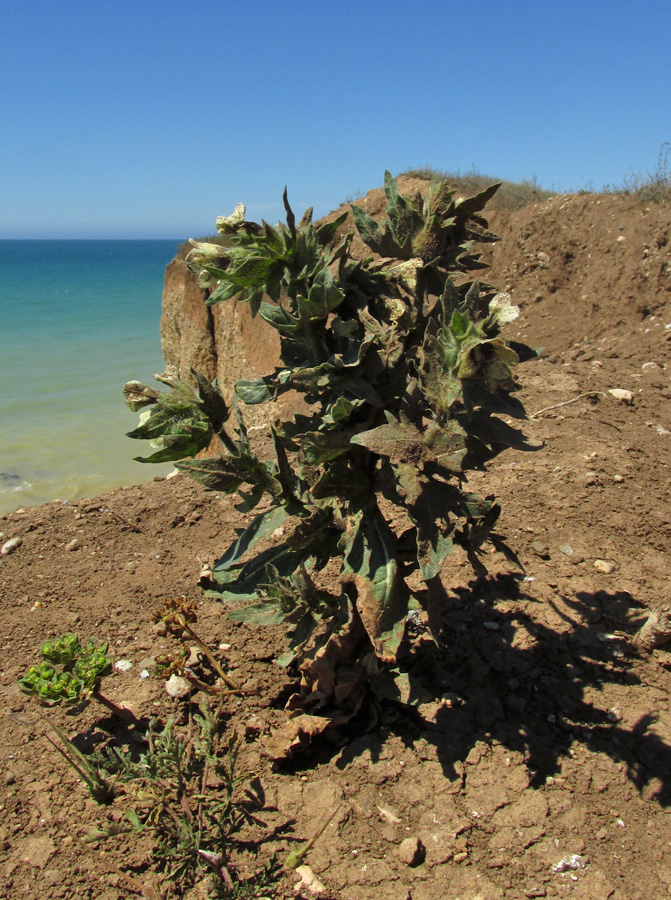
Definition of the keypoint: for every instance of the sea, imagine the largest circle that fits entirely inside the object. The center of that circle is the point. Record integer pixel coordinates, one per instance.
(78, 319)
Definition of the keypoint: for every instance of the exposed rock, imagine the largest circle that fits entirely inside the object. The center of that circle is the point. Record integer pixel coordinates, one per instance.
(411, 851)
(607, 566)
(221, 341)
(657, 630)
(540, 549)
(187, 337)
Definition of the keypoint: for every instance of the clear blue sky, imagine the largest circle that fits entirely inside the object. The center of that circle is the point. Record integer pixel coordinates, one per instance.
(148, 119)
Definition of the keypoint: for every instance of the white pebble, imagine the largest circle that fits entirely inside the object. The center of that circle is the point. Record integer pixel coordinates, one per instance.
(621, 394)
(178, 687)
(10, 546)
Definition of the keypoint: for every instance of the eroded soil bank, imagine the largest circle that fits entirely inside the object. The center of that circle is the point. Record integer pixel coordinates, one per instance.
(553, 740)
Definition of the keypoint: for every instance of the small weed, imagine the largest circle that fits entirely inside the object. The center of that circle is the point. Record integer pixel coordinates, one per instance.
(511, 195)
(655, 187)
(186, 792)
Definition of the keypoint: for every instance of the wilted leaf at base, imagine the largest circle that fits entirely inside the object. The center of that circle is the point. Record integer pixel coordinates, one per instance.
(371, 567)
(294, 736)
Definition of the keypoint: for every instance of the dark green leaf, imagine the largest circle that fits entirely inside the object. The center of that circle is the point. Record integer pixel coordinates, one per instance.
(261, 526)
(253, 392)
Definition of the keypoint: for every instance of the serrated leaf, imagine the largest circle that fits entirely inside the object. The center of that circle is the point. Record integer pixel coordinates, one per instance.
(368, 229)
(242, 582)
(320, 447)
(226, 473)
(265, 612)
(324, 296)
(400, 442)
(477, 202)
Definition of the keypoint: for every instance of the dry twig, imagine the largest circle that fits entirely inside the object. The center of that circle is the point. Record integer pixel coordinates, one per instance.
(566, 402)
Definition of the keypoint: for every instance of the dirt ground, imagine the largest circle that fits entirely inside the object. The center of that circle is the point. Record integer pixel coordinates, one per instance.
(545, 771)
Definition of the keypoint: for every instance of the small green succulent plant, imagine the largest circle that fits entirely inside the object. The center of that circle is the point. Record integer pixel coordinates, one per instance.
(70, 671)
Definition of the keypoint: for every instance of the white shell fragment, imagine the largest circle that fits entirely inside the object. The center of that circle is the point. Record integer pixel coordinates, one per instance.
(123, 665)
(570, 864)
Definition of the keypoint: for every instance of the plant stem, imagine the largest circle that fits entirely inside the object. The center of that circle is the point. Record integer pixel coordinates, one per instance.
(206, 650)
(119, 711)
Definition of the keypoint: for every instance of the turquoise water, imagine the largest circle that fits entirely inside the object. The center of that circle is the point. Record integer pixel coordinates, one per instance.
(78, 320)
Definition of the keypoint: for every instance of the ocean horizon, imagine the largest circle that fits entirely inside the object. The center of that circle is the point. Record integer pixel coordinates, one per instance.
(80, 319)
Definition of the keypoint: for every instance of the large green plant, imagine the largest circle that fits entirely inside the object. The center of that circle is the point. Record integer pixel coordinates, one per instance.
(399, 357)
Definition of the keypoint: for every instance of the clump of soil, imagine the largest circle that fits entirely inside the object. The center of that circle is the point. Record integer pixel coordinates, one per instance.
(545, 770)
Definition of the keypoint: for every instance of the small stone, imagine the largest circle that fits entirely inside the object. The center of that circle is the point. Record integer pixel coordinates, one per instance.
(411, 851)
(618, 479)
(543, 260)
(536, 892)
(614, 715)
(160, 629)
(10, 546)
(566, 550)
(309, 881)
(661, 430)
(540, 549)
(622, 395)
(460, 857)
(621, 239)
(178, 687)
(607, 566)
(123, 665)
(650, 366)
(493, 626)
(253, 727)
(74, 544)
(10, 777)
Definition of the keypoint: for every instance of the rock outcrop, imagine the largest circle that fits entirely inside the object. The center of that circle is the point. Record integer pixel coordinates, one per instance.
(221, 341)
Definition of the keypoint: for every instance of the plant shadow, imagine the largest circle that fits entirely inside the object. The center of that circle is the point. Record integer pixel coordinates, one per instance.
(528, 686)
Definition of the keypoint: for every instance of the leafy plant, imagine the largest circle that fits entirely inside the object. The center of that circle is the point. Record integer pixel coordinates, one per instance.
(409, 385)
(71, 672)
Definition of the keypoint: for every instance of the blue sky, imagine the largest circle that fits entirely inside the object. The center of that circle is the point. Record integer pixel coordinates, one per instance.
(148, 119)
